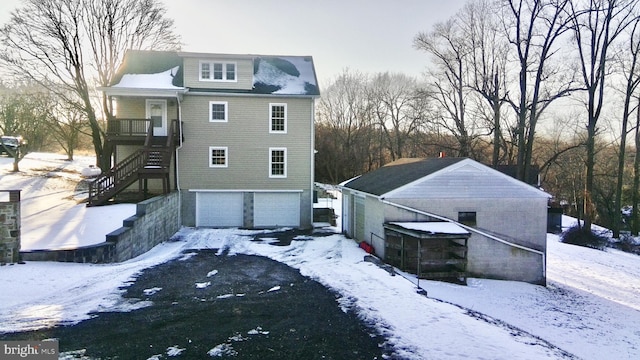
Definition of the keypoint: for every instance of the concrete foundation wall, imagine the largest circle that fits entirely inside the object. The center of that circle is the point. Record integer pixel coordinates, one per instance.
(489, 258)
(188, 208)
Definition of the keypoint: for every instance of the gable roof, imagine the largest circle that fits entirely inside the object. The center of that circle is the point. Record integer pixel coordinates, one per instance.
(397, 174)
(277, 75)
(441, 177)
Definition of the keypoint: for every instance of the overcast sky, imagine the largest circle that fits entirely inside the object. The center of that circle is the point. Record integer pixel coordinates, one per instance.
(364, 35)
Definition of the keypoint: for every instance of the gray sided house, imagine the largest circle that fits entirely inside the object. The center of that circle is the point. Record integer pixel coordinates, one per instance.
(232, 133)
(450, 215)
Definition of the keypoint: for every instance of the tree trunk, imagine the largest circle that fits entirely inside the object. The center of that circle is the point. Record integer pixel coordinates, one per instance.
(589, 208)
(635, 222)
(617, 204)
(497, 130)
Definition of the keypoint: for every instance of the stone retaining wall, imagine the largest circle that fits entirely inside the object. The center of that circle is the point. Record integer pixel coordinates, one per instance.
(9, 226)
(155, 221)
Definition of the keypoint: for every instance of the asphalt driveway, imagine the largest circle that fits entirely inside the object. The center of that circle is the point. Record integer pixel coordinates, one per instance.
(204, 305)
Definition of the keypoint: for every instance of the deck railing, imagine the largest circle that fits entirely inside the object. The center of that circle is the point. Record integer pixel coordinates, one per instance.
(136, 127)
(153, 160)
(128, 127)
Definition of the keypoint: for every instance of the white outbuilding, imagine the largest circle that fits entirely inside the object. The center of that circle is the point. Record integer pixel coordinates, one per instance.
(449, 218)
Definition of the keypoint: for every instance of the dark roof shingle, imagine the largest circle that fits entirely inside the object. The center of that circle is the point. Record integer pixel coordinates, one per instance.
(397, 174)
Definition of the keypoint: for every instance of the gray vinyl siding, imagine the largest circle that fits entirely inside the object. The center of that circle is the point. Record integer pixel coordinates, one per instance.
(246, 134)
(130, 108)
(244, 74)
(135, 108)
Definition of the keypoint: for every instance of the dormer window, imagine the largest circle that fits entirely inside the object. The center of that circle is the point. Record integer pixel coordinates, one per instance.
(217, 71)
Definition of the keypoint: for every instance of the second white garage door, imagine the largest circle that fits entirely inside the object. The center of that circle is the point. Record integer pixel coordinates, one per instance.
(276, 209)
(223, 209)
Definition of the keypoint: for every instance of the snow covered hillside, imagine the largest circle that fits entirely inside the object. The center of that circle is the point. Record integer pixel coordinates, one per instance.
(589, 310)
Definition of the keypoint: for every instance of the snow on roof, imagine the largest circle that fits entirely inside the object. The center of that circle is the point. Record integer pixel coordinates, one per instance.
(433, 227)
(285, 75)
(162, 80)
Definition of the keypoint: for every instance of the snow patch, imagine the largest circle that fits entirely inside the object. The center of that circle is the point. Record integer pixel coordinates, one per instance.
(174, 350)
(257, 331)
(203, 285)
(212, 273)
(222, 350)
(151, 291)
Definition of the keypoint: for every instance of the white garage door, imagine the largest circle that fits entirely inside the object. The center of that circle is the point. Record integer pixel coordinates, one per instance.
(276, 209)
(219, 209)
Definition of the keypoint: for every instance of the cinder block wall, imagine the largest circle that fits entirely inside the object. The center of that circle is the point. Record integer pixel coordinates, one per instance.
(10, 226)
(491, 259)
(156, 220)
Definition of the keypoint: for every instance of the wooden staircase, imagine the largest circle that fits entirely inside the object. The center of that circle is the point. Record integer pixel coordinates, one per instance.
(153, 161)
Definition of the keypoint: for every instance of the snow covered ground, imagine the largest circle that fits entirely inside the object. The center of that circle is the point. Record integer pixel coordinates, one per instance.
(589, 310)
(51, 189)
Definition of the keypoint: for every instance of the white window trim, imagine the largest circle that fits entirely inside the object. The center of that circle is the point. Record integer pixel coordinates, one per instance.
(226, 111)
(278, 176)
(271, 131)
(226, 156)
(224, 70)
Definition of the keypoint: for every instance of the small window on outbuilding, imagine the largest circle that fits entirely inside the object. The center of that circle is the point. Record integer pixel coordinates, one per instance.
(467, 217)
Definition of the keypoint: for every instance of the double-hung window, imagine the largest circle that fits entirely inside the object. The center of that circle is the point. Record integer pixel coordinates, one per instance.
(218, 156)
(277, 118)
(277, 162)
(218, 111)
(218, 71)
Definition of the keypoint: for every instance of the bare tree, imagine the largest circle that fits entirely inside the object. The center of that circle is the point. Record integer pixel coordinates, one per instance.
(628, 59)
(69, 46)
(23, 114)
(344, 133)
(488, 66)
(66, 124)
(533, 28)
(596, 25)
(635, 195)
(450, 52)
(396, 109)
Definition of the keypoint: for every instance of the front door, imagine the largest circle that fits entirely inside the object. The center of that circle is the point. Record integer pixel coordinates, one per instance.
(157, 113)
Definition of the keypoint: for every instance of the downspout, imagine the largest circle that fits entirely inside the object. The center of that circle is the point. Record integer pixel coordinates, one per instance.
(313, 154)
(177, 158)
